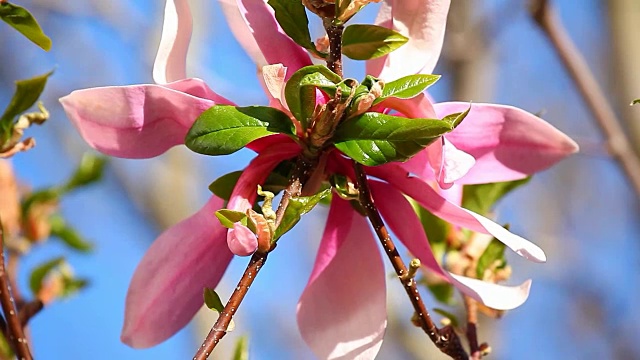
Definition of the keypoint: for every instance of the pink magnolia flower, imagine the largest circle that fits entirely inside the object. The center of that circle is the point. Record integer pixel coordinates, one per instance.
(342, 311)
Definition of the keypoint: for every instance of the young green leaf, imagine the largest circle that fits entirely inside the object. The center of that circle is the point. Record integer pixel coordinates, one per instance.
(454, 319)
(494, 252)
(292, 17)
(301, 99)
(636, 101)
(212, 300)
(71, 285)
(375, 139)
(341, 7)
(482, 197)
(225, 129)
(20, 19)
(223, 186)
(68, 235)
(298, 206)
(40, 273)
(241, 351)
(364, 42)
(88, 171)
(443, 292)
(456, 118)
(407, 87)
(27, 93)
(229, 217)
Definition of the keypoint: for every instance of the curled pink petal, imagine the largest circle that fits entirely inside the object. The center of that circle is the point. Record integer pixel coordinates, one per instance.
(423, 22)
(342, 311)
(170, 64)
(429, 198)
(273, 80)
(245, 192)
(402, 220)
(138, 121)
(419, 106)
(447, 162)
(508, 143)
(166, 289)
(274, 44)
(242, 32)
(241, 240)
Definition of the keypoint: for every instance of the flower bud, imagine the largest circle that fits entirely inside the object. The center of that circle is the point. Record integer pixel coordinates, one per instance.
(241, 240)
(263, 230)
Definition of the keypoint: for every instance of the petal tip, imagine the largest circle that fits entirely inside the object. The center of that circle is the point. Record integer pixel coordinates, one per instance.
(533, 253)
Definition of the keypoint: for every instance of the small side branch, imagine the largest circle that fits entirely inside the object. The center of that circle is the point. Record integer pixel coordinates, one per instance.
(445, 339)
(15, 331)
(618, 144)
(472, 331)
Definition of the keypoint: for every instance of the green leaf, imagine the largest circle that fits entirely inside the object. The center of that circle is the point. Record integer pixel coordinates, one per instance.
(223, 186)
(212, 300)
(494, 252)
(298, 206)
(89, 170)
(40, 196)
(456, 118)
(636, 101)
(27, 93)
(374, 138)
(407, 87)
(20, 19)
(68, 235)
(443, 292)
(482, 197)
(229, 217)
(241, 351)
(292, 17)
(225, 129)
(300, 97)
(71, 285)
(454, 319)
(40, 273)
(364, 42)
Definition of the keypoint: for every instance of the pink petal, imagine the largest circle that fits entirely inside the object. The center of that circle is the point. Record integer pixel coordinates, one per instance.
(259, 145)
(342, 311)
(242, 32)
(419, 106)
(170, 64)
(166, 289)
(260, 24)
(137, 121)
(423, 22)
(245, 192)
(241, 240)
(273, 80)
(447, 162)
(508, 143)
(441, 207)
(402, 220)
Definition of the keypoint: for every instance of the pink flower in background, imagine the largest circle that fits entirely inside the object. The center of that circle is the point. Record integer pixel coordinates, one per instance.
(339, 314)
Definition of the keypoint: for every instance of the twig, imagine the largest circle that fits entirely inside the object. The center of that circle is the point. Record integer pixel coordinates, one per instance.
(618, 144)
(472, 331)
(29, 310)
(334, 32)
(445, 339)
(15, 332)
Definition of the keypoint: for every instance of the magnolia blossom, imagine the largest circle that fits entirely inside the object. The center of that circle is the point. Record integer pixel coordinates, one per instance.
(342, 311)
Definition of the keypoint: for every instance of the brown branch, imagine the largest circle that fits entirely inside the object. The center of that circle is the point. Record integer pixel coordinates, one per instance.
(472, 331)
(15, 332)
(445, 339)
(334, 32)
(301, 173)
(618, 144)
(29, 310)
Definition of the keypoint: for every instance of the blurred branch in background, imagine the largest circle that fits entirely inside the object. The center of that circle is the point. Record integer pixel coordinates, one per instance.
(619, 147)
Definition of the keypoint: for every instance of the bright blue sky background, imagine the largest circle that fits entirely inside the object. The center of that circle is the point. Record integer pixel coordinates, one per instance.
(583, 212)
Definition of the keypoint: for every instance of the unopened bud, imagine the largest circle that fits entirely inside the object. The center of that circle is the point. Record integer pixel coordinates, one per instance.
(263, 230)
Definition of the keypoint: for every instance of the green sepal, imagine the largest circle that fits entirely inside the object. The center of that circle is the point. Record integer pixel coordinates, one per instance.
(68, 235)
(375, 139)
(229, 217)
(481, 198)
(301, 98)
(21, 19)
(224, 129)
(494, 252)
(365, 42)
(407, 87)
(212, 300)
(298, 206)
(27, 93)
(40, 273)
